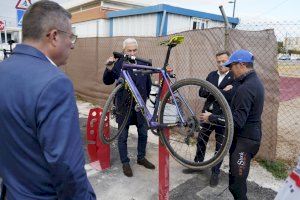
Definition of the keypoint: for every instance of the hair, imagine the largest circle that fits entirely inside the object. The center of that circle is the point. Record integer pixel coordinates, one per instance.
(42, 17)
(129, 41)
(222, 53)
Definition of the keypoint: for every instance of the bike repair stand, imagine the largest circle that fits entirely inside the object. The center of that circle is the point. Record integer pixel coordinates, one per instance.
(98, 152)
(163, 154)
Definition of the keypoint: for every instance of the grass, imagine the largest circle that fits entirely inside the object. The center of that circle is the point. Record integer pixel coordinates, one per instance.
(278, 168)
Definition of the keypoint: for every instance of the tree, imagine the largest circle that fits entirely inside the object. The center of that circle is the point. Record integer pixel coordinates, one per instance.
(280, 47)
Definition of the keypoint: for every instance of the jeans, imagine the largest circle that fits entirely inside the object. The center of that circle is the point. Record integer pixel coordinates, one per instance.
(142, 143)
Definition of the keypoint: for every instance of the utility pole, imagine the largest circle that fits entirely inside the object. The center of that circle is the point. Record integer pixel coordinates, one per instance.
(234, 2)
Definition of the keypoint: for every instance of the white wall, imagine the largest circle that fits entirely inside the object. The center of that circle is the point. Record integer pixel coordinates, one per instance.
(137, 25)
(212, 24)
(93, 28)
(178, 23)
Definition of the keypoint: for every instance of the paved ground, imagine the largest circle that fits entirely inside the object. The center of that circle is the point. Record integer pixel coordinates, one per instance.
(112, 184)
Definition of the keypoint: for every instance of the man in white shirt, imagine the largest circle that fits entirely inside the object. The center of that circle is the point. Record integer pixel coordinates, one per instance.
(223, 79)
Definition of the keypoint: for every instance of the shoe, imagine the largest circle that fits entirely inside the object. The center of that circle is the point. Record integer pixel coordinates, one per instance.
(191, 171)
(146, 163)
(214, 180)
(127, 170)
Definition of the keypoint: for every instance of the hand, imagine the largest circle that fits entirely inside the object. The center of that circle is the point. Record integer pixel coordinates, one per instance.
(110, 61)
(204, 116)
(228, 87)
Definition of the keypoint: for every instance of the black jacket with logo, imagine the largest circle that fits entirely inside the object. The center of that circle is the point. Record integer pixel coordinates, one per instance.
(247, 107)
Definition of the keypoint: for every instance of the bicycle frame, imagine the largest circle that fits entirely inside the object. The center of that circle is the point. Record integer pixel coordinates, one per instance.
(151, 119)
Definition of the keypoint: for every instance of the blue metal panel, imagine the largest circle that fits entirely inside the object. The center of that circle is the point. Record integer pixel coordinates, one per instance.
(199, 14)
(165, 28)
(139, 11)
(111, 27)
(158, 22)
(170, 9)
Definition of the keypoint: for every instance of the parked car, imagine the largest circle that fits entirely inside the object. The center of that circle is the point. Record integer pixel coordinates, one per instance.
(285, 57)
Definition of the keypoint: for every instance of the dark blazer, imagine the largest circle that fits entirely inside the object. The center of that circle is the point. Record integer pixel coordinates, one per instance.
(143, 84)
(41, 154)
(213, 78)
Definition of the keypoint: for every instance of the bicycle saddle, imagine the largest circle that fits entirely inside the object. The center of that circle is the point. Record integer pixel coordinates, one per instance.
(173, 41)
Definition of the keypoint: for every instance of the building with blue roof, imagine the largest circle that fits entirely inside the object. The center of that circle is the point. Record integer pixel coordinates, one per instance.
(94, 18)
(162, 20)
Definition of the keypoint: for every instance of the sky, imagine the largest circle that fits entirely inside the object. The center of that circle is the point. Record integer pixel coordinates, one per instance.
(246, 10)
(253, 14)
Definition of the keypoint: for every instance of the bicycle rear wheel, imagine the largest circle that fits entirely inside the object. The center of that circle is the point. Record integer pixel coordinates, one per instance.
(117, 117)
(190, 139)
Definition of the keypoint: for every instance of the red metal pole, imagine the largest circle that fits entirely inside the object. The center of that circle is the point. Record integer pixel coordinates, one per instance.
(163, 155)
(97, 151)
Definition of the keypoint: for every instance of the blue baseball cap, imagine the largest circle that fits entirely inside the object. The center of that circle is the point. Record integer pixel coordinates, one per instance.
(240, 56)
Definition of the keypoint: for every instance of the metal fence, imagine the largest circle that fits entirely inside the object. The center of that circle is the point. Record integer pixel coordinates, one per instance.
(196, 58)
(288, 67)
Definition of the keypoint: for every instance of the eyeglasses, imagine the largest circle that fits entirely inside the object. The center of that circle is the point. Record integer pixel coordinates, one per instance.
(71, 35)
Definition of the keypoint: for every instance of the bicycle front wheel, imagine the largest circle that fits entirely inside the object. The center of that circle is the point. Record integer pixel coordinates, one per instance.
(195, 144)
(118, 113)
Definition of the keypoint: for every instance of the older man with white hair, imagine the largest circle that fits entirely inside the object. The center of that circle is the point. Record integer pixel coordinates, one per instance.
(143, 83)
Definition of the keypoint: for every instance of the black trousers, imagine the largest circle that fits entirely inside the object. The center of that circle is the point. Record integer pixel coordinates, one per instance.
(241, 153)
(203, 138)
(3, 192)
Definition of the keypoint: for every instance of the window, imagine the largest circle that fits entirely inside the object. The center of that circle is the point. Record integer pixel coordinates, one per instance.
(198, 23)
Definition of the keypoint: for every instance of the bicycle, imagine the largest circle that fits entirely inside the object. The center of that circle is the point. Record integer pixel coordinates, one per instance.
(175, 111)
(9, 52)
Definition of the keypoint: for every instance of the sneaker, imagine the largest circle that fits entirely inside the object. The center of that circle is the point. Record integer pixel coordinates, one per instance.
(127, 170)
(214, 180)
(146, 163)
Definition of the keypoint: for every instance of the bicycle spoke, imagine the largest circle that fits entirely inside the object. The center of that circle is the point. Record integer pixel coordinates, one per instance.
(192, 138)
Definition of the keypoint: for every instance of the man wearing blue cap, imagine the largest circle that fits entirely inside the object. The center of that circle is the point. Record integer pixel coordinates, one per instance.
(247, 106)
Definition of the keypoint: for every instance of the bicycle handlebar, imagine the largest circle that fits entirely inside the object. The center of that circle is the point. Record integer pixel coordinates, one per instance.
(130, 58)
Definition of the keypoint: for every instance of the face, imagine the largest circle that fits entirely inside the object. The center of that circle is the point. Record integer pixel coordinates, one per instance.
(131, 49)
(62, 44)
(237, 69)
(221, 59)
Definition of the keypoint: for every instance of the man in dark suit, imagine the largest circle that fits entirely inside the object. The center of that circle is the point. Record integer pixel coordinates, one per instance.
(41, 154)
(143, 83)
(223, 79)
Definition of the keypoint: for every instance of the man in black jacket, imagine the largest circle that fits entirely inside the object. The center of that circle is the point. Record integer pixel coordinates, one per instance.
(247, 107)
(223, 79)
(143, 83)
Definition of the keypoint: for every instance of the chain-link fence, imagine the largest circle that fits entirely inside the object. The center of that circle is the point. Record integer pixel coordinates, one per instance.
(288, 66)
(196, 58)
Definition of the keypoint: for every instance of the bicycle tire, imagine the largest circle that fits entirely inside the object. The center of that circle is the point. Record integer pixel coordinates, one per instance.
(106, 109)
(228, 134)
